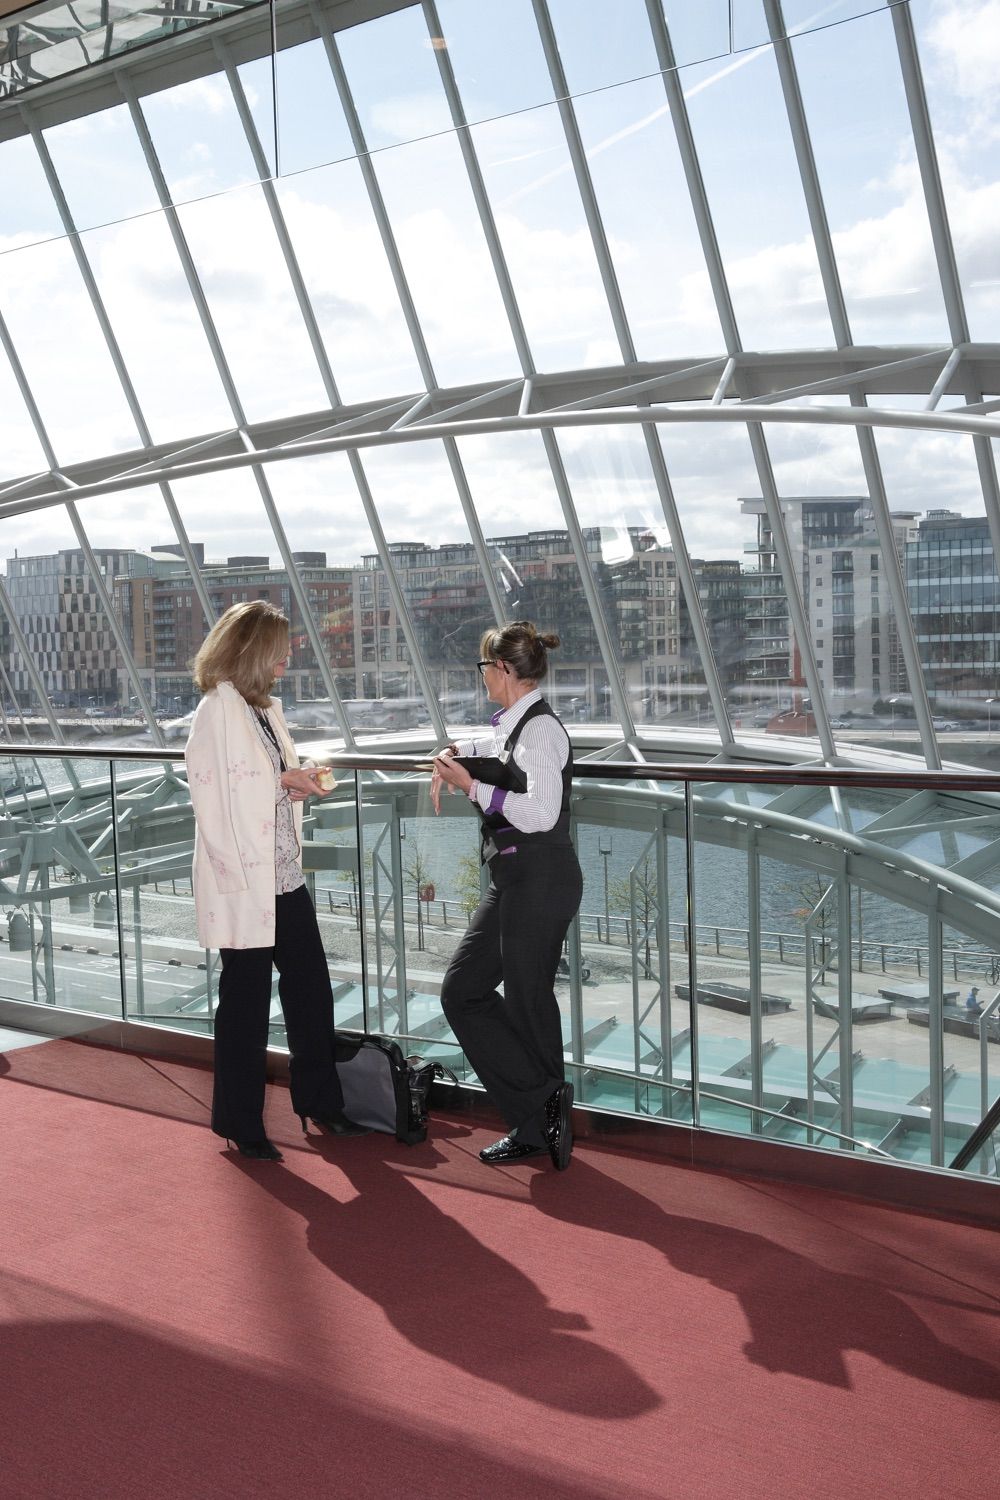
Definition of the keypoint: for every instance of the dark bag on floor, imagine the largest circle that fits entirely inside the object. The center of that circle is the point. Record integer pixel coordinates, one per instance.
(383, 1089)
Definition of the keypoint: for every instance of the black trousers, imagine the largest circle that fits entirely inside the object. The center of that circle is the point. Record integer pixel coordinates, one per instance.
(241, 1023)
(514, 1040)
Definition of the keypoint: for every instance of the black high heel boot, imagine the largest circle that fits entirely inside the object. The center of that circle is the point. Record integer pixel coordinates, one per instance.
(334, 1125)
(264, 1150)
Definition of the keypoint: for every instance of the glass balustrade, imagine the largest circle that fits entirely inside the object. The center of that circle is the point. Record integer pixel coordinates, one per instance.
(809, 964)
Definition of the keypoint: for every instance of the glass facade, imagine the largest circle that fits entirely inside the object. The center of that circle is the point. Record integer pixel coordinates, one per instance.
(680, 337)
(509, 310)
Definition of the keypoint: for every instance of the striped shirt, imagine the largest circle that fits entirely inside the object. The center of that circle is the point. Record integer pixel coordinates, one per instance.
(540, 753)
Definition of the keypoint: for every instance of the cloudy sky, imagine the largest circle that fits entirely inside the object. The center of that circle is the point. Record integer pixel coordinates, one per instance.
(855, 106)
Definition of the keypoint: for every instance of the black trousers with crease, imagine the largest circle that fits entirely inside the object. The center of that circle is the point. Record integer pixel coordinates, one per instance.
(514, 1040)
(241, 1023)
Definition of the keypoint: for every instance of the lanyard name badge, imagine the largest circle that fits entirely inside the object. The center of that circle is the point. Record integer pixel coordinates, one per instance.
(265, 725)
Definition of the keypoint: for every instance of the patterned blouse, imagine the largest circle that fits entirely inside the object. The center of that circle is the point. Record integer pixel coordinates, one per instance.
(288, 874)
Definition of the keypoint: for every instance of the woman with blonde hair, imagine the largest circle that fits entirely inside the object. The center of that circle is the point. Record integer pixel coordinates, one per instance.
(251, 900)
(519, 782)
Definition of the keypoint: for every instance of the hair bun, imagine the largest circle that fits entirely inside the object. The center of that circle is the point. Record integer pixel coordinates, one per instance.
(550, 640)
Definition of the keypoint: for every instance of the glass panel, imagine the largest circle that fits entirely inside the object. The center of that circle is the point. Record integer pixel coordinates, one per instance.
(497, 56)
(55, 332)
(634, 1009)
(421, 884)
(215, 510)
(546, 242)
(802, 15)
(414, 493)
(330, 860)
(312, 129)
(759, 211)
(200, 143)
(344, 265)
(959, 73)
(158, 613)
(706, 469)
(868, 173)
(56, 603)
(394, 79)
(61, 932)
(644, 202)
(636, 576)
(27, 210)
(535, 566)
(778, 933)
(749, 21)
(951, 582)
(445, 260)
(101, 168)
(169, 979)
(21, 451)
(257, 80)
(241, 267)
(325, 523)
(624, 51)
(157, 327)
(698, 32)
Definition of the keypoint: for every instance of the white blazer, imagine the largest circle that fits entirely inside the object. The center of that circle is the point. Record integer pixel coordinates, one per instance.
(232, 783)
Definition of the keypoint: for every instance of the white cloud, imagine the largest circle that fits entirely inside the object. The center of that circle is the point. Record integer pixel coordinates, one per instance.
(211, 94)
(965, 37)
(410, 117)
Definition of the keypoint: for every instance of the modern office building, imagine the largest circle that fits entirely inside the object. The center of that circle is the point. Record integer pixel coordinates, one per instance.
(56, 603)
(951, 581)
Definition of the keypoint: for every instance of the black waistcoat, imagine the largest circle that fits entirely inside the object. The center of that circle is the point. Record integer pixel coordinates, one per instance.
(500, 770)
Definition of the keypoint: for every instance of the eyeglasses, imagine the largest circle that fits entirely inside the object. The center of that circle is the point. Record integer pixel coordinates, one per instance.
(482, 665)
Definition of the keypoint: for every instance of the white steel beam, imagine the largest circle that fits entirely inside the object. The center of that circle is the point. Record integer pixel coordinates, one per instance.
(476, 426)
(849, 379)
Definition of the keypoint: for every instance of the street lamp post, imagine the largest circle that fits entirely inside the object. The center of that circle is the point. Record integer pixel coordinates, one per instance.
(892, 710)
(604, 849)
(989, 714)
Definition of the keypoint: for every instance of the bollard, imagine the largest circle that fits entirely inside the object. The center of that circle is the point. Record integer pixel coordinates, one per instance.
(104, 910)
(18, 932)
(79, 901)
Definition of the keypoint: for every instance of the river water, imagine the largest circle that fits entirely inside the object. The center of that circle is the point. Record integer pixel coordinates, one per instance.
(439, 851)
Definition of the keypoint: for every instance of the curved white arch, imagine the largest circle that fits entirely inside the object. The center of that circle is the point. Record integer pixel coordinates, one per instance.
(143, 475)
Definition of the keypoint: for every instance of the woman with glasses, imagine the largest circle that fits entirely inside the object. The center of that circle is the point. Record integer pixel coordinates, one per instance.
(250, 896)
(519, 782)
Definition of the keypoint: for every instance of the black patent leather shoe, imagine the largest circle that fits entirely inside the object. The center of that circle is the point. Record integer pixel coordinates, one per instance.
(507, 1150)
(559, 1125)
(263, 1150)
(335, 1125)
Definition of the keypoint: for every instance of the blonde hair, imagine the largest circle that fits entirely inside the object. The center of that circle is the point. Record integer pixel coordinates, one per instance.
(242, 648)
(521, 647)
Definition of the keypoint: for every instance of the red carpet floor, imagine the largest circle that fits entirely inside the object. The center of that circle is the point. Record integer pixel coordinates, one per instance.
(373, 1320)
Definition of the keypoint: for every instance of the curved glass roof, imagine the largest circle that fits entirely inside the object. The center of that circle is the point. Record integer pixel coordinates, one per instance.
(678, 336)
